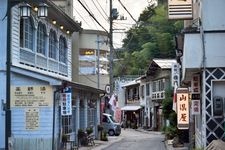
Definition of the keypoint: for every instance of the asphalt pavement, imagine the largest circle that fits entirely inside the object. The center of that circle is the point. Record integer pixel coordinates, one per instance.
(99, 145)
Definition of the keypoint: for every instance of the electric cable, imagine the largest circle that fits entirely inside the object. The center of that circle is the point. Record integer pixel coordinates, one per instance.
(92, 16)
(128, 12)
(99, 11)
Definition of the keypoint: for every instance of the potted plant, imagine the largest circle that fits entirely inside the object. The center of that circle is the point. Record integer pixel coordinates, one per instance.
(104, 136)
(89, 131)
(82, 137)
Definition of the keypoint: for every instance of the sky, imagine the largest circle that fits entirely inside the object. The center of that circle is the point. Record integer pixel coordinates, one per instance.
(100, 10)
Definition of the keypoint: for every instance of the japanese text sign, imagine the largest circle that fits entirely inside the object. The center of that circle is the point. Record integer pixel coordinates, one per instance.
(195, 107)
(66, 102)
(182, 108)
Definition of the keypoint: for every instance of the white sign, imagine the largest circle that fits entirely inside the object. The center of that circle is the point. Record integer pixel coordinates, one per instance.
(32, 118)
(31, 96)
(182, 108)
(195, 107)
(180, 9)
(66, 103)
(175, 77)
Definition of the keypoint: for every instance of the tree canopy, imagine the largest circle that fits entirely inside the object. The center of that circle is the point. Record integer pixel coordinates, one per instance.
(153, 37)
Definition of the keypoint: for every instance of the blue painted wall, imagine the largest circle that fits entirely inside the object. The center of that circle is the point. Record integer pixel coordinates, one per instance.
(3, 38)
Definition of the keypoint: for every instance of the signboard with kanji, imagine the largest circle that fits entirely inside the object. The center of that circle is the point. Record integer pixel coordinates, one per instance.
(66, 102)
(182, 108)
(195, 107)
(180, 9)
(31, 96)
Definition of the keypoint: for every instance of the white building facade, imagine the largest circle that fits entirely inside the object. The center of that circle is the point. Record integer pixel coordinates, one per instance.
(203, 68)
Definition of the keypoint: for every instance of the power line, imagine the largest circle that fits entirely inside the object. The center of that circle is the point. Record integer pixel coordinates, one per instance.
(92, 16)
(128, 12)
(102, 8)
(82, 17)
(99, 11)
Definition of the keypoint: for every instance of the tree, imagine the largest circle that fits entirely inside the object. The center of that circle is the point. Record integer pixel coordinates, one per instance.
(152, 38)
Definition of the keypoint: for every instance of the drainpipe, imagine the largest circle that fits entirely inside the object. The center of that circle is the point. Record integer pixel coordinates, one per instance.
(53, 127)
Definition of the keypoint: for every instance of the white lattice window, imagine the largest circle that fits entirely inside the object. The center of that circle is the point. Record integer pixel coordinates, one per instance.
(62, 49)
(52, 45)
(26, 33)
(41, 38)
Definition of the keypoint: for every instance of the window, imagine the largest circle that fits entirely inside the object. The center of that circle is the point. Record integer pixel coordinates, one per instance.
(26, 33)
(142, 91)
(52, 45)
(62, 50)
(147, 89)
(41, 38)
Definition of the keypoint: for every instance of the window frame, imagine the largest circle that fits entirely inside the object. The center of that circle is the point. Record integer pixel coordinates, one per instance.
(62, 50)
(27, 33)
(52, 52)
(41, 39)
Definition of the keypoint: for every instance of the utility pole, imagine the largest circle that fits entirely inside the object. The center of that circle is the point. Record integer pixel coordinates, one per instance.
(98, 55)
(110, 48)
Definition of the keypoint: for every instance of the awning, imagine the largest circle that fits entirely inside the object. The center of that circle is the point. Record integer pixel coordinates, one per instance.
(130, 108)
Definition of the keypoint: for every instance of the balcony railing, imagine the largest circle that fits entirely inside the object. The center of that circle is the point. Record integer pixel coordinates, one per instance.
(158, 95)
(43, 63)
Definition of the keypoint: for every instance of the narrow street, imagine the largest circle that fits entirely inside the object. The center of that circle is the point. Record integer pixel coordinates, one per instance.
(136, 140)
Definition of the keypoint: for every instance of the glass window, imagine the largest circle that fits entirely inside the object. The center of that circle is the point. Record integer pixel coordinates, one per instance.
(52, 45)
(26, 33)
(41, 38)
(62, 50)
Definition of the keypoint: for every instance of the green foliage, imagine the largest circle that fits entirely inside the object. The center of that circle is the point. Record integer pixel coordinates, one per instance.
(104, 136)
(167, 104)
(89, 131)
(171, 132)
(152, 38)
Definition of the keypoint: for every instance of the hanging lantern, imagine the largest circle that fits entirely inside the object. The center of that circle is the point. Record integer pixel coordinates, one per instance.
(25, 10)
(42, 10)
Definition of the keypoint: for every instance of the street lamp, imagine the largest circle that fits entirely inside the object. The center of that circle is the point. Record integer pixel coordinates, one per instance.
(43, 10)
(25, 11)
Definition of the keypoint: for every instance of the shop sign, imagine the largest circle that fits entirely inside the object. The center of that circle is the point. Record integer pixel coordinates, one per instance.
(195, 84)
(31, 96)
(195, 107)
(180, 9)
(66, 102)
(175, 75)
(182, 108)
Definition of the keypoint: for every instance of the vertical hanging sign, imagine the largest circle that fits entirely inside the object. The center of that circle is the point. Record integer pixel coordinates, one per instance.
(175, 74)
(66, 102)
(182, 108)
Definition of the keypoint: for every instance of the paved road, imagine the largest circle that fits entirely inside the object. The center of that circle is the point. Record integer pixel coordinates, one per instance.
(136, 140)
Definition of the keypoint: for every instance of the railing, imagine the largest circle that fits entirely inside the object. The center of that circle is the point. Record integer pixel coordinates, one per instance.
(158, 95)
(29, 58)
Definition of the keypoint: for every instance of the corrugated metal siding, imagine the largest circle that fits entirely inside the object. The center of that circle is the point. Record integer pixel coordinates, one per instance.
(69, 58)
(15, 34)
(32, 144)
(36, 139)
